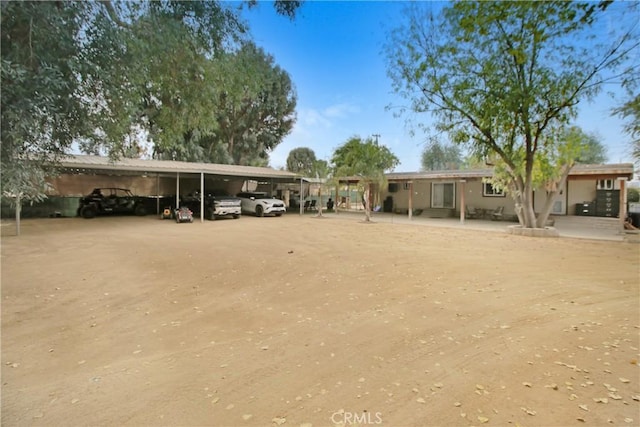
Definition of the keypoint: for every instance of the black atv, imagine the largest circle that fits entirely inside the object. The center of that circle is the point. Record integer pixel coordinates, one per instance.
(107, 201)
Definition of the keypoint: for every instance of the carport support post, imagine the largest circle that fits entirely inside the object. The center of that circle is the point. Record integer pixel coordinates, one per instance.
(177, 190)
(462, 208)
(623, 202)
(202, 196)
(158, 194)
(301, 198)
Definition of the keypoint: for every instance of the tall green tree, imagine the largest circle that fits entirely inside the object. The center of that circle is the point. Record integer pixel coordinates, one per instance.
(237, 113)
(255, 104)
(591, 151)
(301, 160)
(41, 104)
(367, 160)
(107, 75)
(504, 76)
(438, 156)
(149, 74)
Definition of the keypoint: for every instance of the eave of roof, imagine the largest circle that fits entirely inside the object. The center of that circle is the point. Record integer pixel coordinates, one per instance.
(624, 170)
(99, 163)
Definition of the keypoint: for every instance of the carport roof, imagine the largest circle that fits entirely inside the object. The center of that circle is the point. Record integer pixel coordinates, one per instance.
(98, 164)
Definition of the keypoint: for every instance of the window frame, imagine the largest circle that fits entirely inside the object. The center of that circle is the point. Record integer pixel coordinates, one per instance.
(607, 184)
(453, 199)
(493, 192)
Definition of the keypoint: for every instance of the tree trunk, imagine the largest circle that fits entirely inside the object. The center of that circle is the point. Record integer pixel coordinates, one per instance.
(551, 195)
(230, 148)
(523, 200)
(18, 213)
(546, 209)
(319, 200)
(367, 210)
(529, 213)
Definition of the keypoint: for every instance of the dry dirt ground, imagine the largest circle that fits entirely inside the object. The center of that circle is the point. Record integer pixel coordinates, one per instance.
(299, 321)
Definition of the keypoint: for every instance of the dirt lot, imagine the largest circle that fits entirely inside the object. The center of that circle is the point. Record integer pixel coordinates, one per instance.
(322, 322)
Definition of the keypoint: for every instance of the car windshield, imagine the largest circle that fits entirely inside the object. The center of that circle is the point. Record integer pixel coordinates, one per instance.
(254, 195)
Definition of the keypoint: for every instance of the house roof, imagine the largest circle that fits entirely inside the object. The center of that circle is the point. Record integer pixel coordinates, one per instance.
(89, 164)
(624, 170)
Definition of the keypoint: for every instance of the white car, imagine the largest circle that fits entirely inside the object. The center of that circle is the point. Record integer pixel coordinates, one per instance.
(260, 204)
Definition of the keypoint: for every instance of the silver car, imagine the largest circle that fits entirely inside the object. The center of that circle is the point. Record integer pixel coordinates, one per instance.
(260, 204)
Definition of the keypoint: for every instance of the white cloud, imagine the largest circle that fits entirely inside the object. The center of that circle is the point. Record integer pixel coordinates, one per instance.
(341, 111)
(311, 117)
(315, 129)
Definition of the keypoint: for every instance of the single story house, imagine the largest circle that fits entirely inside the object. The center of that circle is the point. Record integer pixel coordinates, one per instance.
(596, 190)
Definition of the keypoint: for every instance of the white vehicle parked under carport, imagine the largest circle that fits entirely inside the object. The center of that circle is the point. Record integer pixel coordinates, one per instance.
(260, 204)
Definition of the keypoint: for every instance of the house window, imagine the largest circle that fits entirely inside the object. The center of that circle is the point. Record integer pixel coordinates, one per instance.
(406, 186)
(443, 195)
(489, 191)
(605, 184)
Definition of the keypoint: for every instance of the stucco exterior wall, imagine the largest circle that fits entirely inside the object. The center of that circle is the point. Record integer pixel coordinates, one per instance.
(473, 197)
(579, 191)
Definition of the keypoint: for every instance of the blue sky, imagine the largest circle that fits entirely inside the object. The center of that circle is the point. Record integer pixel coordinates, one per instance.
(333, 51)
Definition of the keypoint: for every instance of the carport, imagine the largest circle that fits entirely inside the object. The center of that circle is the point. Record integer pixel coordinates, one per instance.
(163, 169)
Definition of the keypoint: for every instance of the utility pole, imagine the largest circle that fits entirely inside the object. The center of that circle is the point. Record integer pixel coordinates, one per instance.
(376, 136)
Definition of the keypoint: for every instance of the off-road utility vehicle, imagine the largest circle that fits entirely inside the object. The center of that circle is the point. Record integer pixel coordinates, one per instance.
(109, 200)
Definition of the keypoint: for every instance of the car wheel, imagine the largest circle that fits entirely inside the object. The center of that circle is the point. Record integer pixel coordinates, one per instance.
(259, 211)
(236, 216)
(278, 214)
(140, 210)
(88, 212)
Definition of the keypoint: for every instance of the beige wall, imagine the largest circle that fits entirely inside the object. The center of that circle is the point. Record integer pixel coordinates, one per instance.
(579, 191)
(473, 197)
(421, 195)
(80, 184)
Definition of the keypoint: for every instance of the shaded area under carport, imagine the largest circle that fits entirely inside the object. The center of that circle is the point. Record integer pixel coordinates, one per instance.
(174, 170)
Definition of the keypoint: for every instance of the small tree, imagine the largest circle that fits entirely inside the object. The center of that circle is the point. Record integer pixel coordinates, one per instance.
(322, 172)
(367, 160)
